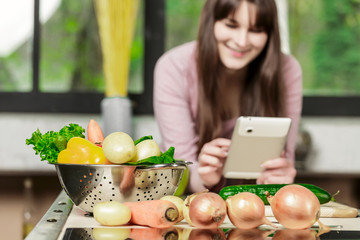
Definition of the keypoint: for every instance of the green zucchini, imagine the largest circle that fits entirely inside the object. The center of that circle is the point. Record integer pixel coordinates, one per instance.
(261, 189)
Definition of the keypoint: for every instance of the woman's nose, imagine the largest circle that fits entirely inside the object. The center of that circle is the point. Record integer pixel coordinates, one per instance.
(241, 37)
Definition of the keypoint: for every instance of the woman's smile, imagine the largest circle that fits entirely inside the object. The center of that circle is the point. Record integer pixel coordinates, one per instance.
(238, 53)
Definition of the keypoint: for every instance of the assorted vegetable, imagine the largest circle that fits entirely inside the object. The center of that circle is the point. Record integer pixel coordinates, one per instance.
(82, 151)
(261, 190)
(119, 147)
(154, 233)
(246, 210)
(295, 207)
(179, 203)
(94, 133)
(250, 234)
(206, 234)
(303, 234)
(50, 144)
(153, 213)
(146, 149)
(204, 210)
(112, 213)
(111, 233)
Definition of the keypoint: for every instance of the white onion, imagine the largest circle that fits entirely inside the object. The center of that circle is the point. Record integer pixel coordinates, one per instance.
(111, 233)
(111, 213)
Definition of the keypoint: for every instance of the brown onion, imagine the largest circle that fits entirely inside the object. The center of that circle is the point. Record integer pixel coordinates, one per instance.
(295, 234)
(248, 234)
(204, 210)
(246, 210)
(207, 234)
(295, 207)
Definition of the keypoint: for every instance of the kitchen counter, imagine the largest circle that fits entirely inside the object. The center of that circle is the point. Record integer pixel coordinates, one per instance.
(63, 216)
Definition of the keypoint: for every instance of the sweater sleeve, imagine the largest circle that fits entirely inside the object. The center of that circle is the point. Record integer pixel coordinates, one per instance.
(172, 108)
(293, 83)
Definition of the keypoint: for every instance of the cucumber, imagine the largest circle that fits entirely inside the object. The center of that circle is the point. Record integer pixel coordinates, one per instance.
(260, 190)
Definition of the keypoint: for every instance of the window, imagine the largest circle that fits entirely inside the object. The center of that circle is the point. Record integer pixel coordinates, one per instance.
(325, 37)
(58, 67)
(56, 64)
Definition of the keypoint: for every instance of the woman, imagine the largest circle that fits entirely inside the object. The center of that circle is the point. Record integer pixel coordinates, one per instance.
(235, 68)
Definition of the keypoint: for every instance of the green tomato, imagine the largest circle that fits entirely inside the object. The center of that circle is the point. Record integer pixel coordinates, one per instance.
(145, 149)
(119, 147)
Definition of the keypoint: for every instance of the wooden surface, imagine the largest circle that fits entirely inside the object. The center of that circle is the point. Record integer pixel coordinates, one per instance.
(329, 210)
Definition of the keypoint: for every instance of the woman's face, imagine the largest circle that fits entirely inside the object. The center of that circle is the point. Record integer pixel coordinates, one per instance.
(238, 40)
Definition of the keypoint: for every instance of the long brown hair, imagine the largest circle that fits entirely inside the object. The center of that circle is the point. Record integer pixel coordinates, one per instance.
(262, 92)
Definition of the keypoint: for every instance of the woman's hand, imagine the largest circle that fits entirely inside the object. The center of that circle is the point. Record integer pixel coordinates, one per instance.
(211, 161)
(277, 171)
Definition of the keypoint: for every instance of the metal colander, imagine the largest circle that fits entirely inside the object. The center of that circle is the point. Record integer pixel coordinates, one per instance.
(88, 184)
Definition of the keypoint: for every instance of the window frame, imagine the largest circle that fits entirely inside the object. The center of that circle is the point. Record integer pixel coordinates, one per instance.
(89, 102)
(154, 34)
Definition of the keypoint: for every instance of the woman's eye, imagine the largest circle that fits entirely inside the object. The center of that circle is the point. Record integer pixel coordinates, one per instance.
(230, 25)
(256, 30)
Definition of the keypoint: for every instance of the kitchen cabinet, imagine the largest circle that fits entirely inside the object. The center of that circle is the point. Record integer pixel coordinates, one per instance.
(46, 188)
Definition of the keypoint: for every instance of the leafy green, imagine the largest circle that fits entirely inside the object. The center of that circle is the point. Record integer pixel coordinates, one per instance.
(50, 144)
(166, 157)
(142, 139)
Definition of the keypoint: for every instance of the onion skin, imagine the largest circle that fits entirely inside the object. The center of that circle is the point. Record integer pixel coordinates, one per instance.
(248, 234)
(295, 207)
(207, 234)
(295, 234)
(246, 210)
(204, 210)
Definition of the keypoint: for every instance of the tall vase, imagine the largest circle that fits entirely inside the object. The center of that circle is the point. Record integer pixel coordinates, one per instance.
(116, 113)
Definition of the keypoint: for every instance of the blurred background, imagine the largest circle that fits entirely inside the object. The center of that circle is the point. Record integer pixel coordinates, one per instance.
(51, 74)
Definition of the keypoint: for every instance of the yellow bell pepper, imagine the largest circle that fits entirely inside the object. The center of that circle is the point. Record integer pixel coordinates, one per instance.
(82, 151)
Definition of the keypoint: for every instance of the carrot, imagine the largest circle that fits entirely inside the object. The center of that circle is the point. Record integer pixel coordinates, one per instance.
(153, 213)
(94, 132)
(128, 179)
(154, 233)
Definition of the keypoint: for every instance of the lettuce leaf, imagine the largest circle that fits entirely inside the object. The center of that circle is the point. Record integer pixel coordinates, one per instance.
(49, 145)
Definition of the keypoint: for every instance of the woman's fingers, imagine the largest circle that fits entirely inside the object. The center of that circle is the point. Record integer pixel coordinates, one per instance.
(275, 180)
(209, 175)
(210, 160)
(276, 163)
(278, 170)
(213, 150)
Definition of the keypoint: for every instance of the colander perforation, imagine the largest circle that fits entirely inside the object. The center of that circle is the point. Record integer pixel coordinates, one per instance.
(86, 185)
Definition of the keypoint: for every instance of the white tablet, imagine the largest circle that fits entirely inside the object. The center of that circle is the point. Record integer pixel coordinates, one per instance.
(255, 140)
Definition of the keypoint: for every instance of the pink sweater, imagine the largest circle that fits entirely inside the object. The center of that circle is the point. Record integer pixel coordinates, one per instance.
(175, 105)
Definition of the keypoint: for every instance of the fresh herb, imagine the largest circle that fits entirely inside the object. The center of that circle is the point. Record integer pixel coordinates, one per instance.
(50, 144)
(166, 157)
